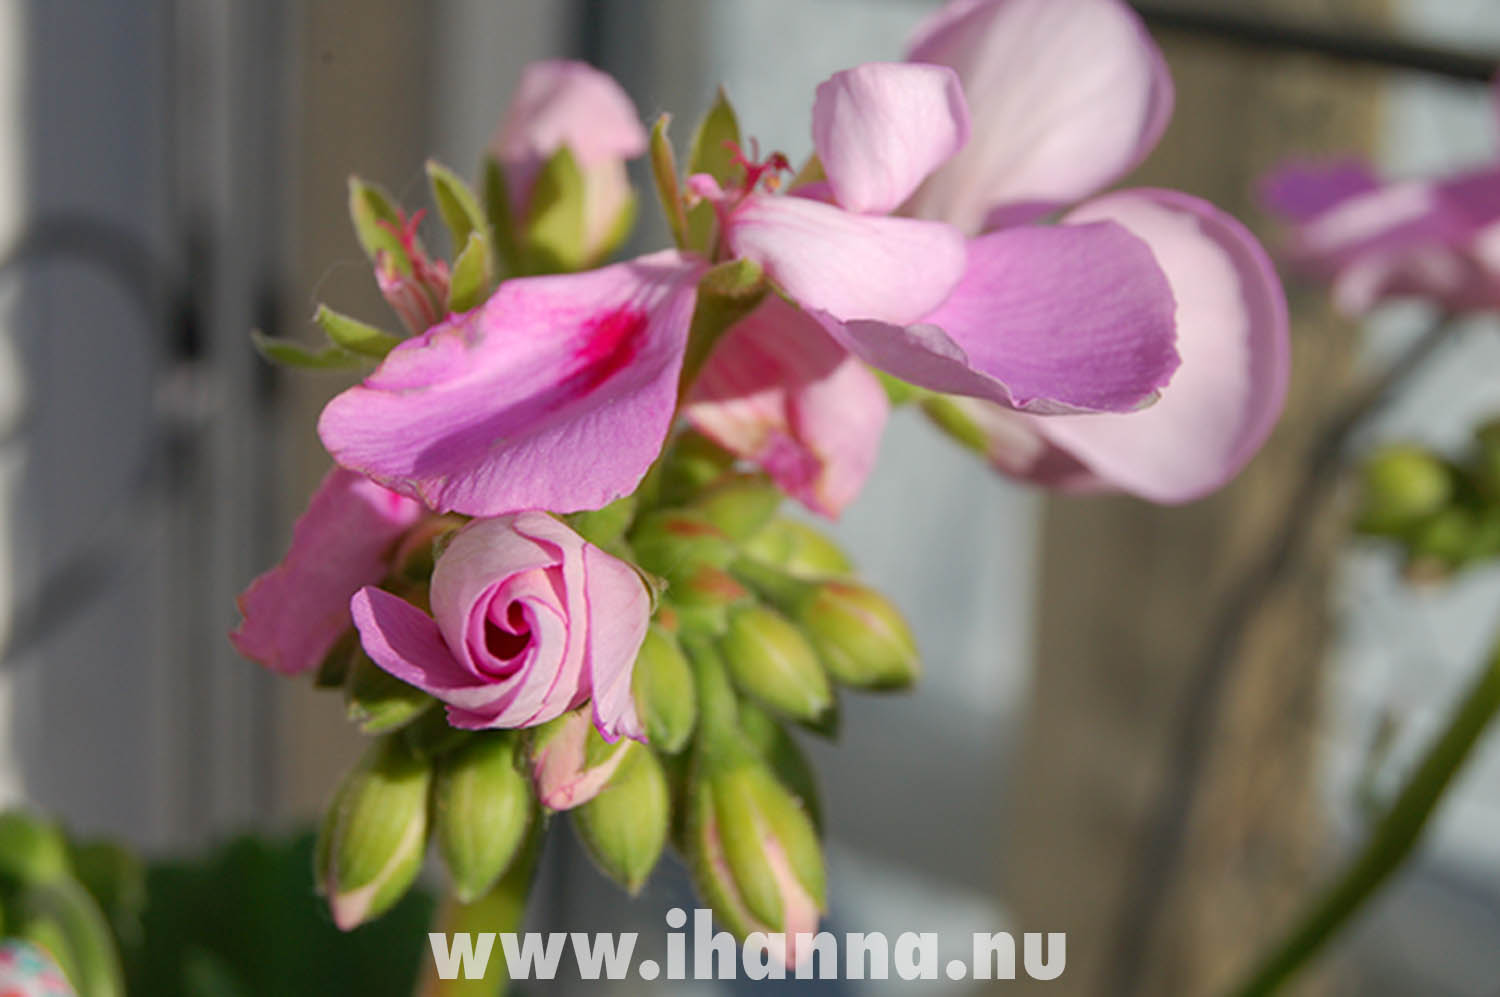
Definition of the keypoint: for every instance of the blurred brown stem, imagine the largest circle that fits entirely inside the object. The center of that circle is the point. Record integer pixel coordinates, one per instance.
(1149, 883)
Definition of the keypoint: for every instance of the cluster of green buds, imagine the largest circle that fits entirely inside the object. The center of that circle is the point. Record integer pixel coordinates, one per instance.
(759, 622)
(1444, 513)
(74, 900)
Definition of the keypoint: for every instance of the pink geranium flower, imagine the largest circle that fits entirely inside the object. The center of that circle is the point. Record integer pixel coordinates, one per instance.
(1067, 96)
(1436, 238)
(559, 392)
(528, 621)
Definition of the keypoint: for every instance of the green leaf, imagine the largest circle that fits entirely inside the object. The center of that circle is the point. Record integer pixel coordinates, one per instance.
(555, 232)
(726, 294)
(291, 354)
(355, 336)
(470, 282)
(502, 223)
(664, 170)
(711, 153)
(374, 215)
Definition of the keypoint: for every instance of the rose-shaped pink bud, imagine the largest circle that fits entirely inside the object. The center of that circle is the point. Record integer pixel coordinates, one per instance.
(570, 763)
(528, 621)
(561, 104)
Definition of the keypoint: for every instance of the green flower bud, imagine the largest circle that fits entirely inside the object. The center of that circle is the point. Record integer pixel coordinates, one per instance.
(674, 542)
(32, 850)
(373, 838)
(754, 851)
(862, 639)
(378, 702)
(481, 809)
(625, 826)
(571, 762)
(740, 505)
(662, 684)
(1403, 485)
(798, 549)
(769, 659)
(1442, 543)
(62, 918)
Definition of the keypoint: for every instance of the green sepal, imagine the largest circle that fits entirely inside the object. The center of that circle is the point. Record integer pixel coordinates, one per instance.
(377, 701)
(624, 828)
(949, 415)
(502, 222)
(376, 223)
(664, 172)
(431, 736)
(288, 353)
(355, 336)
(556, 233)
(460, 210)
(711, 154)
(469, 283)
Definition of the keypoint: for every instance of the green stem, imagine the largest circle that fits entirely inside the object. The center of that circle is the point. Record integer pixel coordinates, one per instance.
(1391, 841)
(499, 910)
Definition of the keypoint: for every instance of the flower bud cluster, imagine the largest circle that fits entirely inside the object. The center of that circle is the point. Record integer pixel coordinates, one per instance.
(1444, 514)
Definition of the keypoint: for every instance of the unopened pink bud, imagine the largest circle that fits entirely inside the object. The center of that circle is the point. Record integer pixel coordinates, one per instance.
(570, 762)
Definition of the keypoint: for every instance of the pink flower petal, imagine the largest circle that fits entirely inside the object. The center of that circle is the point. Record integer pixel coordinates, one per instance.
(1232, 334)
(1065, 96)
(406, 642)
(619, 611)
(851, 266)
(294, 613)
(555, 394)
(880, 129)
(782, 393)
(1048, 319)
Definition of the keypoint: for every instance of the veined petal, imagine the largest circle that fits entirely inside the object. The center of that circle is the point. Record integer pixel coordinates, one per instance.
(406, 642)
(1065, 97)
(555, 394)
(1046, 319)
(1232, 334)
(881, 128)
(851, 266)
(779, 391)
(294, 613)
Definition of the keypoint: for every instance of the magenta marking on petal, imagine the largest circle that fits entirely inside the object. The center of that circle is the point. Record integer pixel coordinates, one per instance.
(611, 342)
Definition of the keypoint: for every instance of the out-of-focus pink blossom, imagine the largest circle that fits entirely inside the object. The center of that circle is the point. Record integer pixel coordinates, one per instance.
(561, 103)
(1435, 238)
(294, 613)
(528, 621)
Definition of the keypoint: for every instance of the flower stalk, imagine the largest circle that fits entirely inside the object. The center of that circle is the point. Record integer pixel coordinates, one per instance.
(1390, 843)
